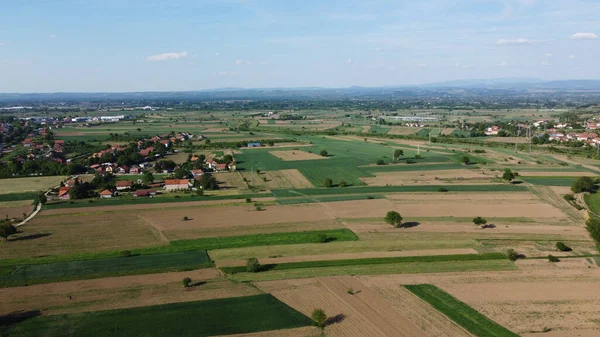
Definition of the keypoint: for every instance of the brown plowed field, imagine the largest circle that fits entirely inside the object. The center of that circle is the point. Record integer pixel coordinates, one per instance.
(293, 155)
(556, 174)
(298, 332)
(16, 211)
(291, 178)
(403, 130)
(362, 314)
(120, 292)
(428, 177)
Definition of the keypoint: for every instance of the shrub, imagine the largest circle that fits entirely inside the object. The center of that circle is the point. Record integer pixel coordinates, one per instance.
(328, 182)
(125, 253)
(569, 197)
(342, 183)
(248, 200)
(350, 291)
(319, 317)
(380, 162)
(185, 218)
(512, 254)
(258, 207)
(562, 247)
(252, 265)
(322, 238)
(417, 156)
(410, 161)
(186, 282)
(582, 184)
(553, 258)
(442, 189)
(479, 221)
(393, 218)
(324, 153)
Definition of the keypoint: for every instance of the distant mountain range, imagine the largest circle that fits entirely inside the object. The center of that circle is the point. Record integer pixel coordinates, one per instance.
(517, 83)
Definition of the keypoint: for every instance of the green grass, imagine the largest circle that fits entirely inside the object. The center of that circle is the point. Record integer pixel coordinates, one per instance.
(317, 174)
(459, 312)
(371, 261)
(271, 121)
(308, 200)
(169, 198)
(264, 239)
(17, 196)
(88, 269)
(401, 166)
(237, 315)
(365, 190)
(380, 269)
(549, 181)
(593, 202)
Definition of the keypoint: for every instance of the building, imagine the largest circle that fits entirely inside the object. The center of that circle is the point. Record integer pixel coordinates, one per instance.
(255, 144)
(176, 184)
(123, 184)
(63, 193)
(106, 194)
(135, 170)
(221, 167)
(197, 173)
(144, 193)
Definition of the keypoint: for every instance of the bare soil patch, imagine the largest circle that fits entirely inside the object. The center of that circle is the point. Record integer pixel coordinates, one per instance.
(402, 130)
(293, 155)
(298, 332)
(367, 128)
(291, 178)
(556, 174)
(16, 211)
(230, 180)
(519, 140)
(120, 292)
(215, 130)
(460, 176)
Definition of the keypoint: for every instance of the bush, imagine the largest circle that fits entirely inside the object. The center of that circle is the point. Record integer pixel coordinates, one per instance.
(125, 253)
(582, 184)
(569, 197)
(380, 162)
(258, 207)
(186, 282)
(562, 247)
(410, 161)
(248, 200)
(342, 183)
(350, 291)
(512, 254)
(479, 221)
(319, 317)
(328, 182)
(252, 265)
(393, 218)
(553, 258)
(324, 153)
(442, 189)
(185, 218)
(322, 238)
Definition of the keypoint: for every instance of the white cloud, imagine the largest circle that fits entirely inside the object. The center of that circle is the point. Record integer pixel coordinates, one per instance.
(545, 64)
(548, 54)
(240, 62)
(502, 64)
(571, 56)
(217, 54)
(349, 60)
(517, 42)
(584, 36)
(166, 57)
(52, 36)
(227, 73)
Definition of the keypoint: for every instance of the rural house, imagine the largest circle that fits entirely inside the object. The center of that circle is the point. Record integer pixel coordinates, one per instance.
(63, 193)
(144, 193)
(123, 184)
(106, 194)
(176, 184)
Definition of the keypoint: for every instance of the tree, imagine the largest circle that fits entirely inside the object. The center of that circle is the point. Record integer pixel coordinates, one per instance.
(148, 178)
(562, 247)
(398, 153)
(380, 162)
(40, 198)
(479, 221)
(186, 282)
(324, 153)
(508, 175)
(319, 317)
(207, 182)
(393, 218)
(252, 265)
(582, 184)
(7, 230)
(328, 182)
(343, 183)
(465, 160)
(512, 254)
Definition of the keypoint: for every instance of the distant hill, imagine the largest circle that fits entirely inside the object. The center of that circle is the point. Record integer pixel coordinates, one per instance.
(517, 83)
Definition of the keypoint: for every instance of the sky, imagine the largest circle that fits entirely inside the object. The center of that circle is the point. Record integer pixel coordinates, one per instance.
(172, 45)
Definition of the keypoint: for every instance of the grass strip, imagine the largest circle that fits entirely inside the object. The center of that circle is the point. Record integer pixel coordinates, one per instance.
(462, 314)
(237, 315)
(17, 196)
(308, 200)
(369, 261)
(281, 193)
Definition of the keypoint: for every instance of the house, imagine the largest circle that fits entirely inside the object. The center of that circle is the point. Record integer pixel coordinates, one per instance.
(146, 152)
(123, 184)
(221, 167)
(95, 166)
(135, 170)
(255, 144)
(123, 169)
(144, 193)
(197, 173)
(492, 131)
(27, 142)
(106, 194)
(70, 183)
(212, 164)
(63, 193)
(176, 184)
(59, 145)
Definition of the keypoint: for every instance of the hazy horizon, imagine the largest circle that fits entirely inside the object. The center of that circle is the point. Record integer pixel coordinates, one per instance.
(184, 45)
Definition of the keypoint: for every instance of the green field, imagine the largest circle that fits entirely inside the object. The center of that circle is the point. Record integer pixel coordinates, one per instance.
(308, 200)
(593, 202)
(238, 315)
(371, 261)
(380, 269)
(549, 181)
(17, 196)
(459, 312)
(365, 190)
(75, 270)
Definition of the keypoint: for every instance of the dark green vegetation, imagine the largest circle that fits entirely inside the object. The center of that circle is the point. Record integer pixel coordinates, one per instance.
(18, 275)
(18, 196)
(307, 200)
(189, 319)
(549, 181)
(365, 190)
(371, 261)
(459, 312)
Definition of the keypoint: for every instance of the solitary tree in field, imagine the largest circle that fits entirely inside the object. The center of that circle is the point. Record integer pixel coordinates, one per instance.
(324, 153)
(508, 175)
(7, 230)
(252, 265)
(465, 160)
(398, 154)
(319, 317)
(393, 218)
(479, 221)
(186, 282)
(328, 182)
(343, 183)
(582, 184)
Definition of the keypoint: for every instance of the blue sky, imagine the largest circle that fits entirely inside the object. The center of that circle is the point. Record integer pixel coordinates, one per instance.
(142, 45)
